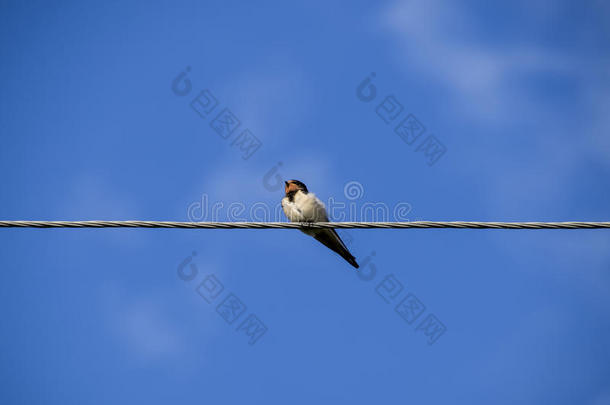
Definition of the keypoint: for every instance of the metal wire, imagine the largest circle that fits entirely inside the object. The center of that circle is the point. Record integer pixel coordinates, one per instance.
(302, 225)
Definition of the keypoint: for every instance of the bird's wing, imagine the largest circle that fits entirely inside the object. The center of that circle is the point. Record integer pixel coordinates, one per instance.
(330, 239)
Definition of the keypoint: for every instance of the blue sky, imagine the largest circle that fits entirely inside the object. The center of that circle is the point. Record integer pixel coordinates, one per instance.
(514, 93)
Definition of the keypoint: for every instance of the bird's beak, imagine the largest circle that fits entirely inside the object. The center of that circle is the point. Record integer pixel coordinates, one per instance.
(286, 183)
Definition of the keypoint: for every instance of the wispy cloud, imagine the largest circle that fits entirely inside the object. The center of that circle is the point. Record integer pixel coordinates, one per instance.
(271, 99)
(141, 325)
(439, 38)
(491, 80)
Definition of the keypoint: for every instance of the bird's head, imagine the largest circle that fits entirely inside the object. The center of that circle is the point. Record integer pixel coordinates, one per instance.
(292, 186)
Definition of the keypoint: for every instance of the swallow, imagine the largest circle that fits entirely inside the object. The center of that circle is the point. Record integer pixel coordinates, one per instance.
(300, 205)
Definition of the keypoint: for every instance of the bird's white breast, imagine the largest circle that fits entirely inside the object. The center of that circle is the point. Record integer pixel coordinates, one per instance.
(311, 207)
(292, 211)
(304, 208)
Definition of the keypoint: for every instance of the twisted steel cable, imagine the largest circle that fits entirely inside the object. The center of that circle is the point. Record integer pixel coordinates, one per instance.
(299, 225)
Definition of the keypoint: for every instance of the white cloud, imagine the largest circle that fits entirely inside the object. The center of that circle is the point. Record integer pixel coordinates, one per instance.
(439, 39)
(487, 79)
(443, 40)
(92, 197)
(141, 326)
(271, 99)
(602, 398)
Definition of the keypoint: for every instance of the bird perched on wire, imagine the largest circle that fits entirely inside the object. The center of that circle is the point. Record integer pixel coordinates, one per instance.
(300, 205)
